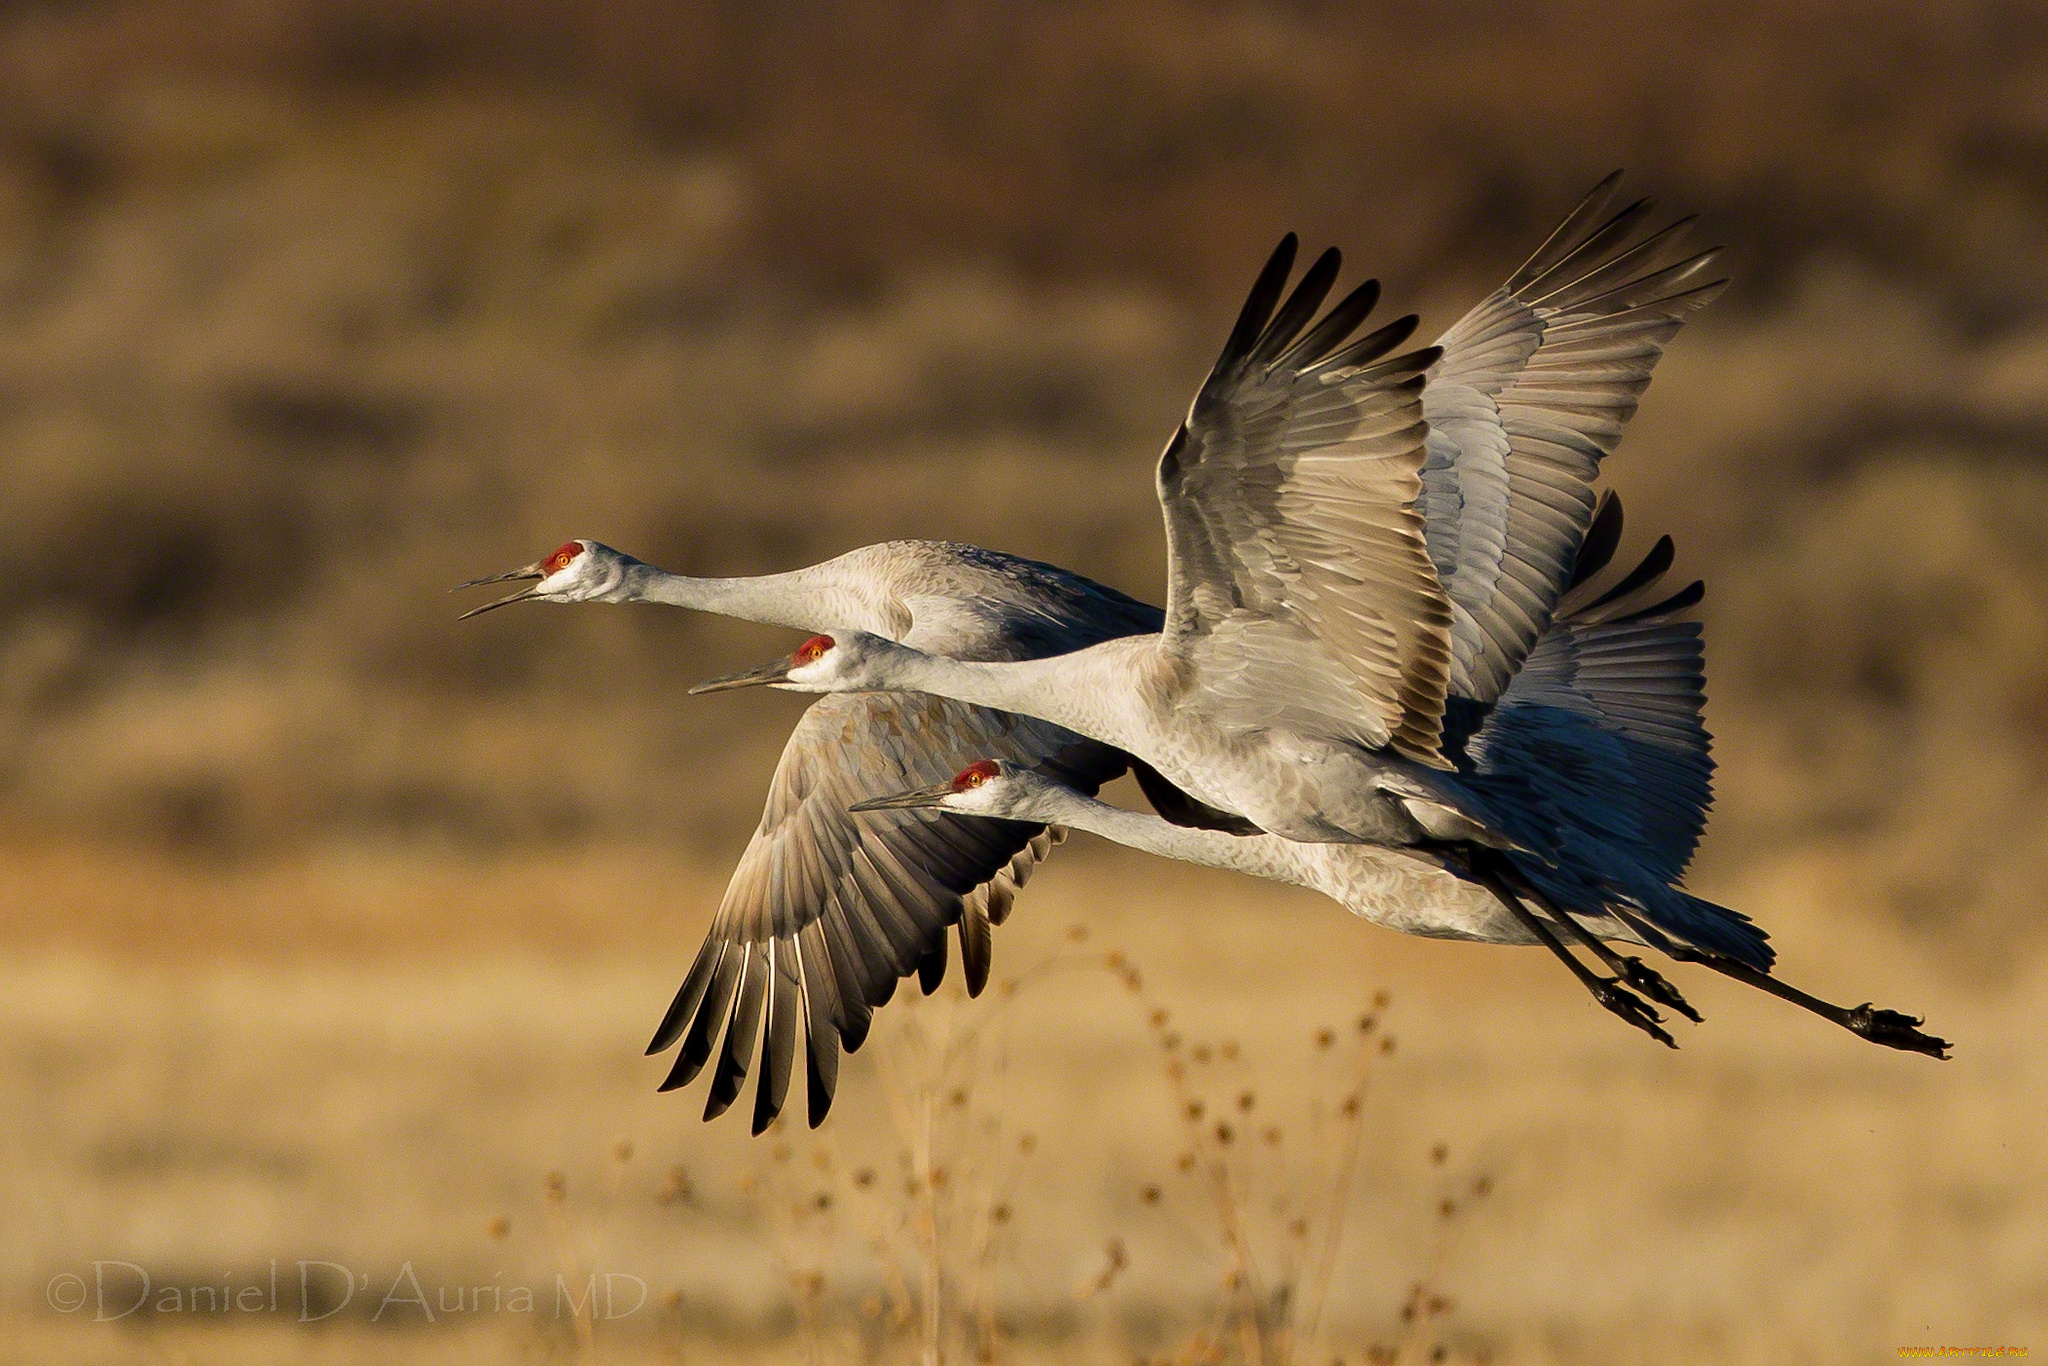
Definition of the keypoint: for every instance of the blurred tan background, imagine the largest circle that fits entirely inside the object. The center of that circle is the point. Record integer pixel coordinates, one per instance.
(333, 927)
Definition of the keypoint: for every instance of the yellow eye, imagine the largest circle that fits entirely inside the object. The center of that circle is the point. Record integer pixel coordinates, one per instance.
(974, 775)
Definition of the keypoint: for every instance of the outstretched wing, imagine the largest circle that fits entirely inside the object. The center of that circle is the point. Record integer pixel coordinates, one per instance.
(1603, 727)
(827, 910)
(1531, 391)
(1297, 575)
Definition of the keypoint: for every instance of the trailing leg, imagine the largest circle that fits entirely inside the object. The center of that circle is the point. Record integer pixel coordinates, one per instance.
(1607, 991)
(1626, 967)
(1887, 1027)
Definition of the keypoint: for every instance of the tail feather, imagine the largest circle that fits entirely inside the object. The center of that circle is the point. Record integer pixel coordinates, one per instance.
(1706, 926)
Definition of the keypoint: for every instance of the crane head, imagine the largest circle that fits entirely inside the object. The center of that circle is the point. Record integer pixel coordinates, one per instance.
(577, 571)
(986, 787)
(852, 661)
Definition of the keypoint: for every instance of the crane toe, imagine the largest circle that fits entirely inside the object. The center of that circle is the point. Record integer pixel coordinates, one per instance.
(1656, 986)
(1895, 1030)
(1634, 1010)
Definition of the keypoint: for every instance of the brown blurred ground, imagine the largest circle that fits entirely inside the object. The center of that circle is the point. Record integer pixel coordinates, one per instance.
(310, 310)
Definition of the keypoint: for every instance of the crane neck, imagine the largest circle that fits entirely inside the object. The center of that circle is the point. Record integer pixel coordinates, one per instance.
(1264, 856)
(1098, 692)
(802, 599)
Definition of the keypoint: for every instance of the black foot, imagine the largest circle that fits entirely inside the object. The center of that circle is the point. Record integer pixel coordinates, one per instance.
(1894, 1030)
(1656, 986)
(1630, 1007)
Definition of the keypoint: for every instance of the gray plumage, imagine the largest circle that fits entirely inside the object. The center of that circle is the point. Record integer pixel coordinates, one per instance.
(1305, 666)
(1363, 550)
(1603, 725)
(1531, 391)
(828, 911)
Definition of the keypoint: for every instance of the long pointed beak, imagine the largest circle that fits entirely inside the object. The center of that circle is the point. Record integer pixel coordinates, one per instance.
(923, 796)
(766, 674)
(526, 596)
(531, 571)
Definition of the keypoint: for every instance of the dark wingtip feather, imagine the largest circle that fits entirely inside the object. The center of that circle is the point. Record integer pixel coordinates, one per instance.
(1372, 345)
(1654, 566)
(1594, 243)
(740, 1039)
(688, 996)
(1602, 539)
(1628, 276)
(1422, 358)
(818, 993)
(711, 1015)
(1258, 305)
(821, 1073)
(778, 1043)
(1564, 238)
(1300, 307)
(1340, 322)
(977, 945)
(677, 1078)
(931, 969)
(853, 1030)
(1684, 600)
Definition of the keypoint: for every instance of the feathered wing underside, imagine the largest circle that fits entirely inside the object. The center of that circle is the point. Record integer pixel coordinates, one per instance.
(1296, 562)
(828, 911)
(1603, 725)
(1531, 391)
(1615, 708)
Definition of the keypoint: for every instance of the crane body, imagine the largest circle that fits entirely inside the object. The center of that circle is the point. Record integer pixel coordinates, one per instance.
(1366, 553)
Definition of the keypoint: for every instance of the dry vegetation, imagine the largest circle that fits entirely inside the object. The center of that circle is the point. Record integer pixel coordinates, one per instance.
(333, 927)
